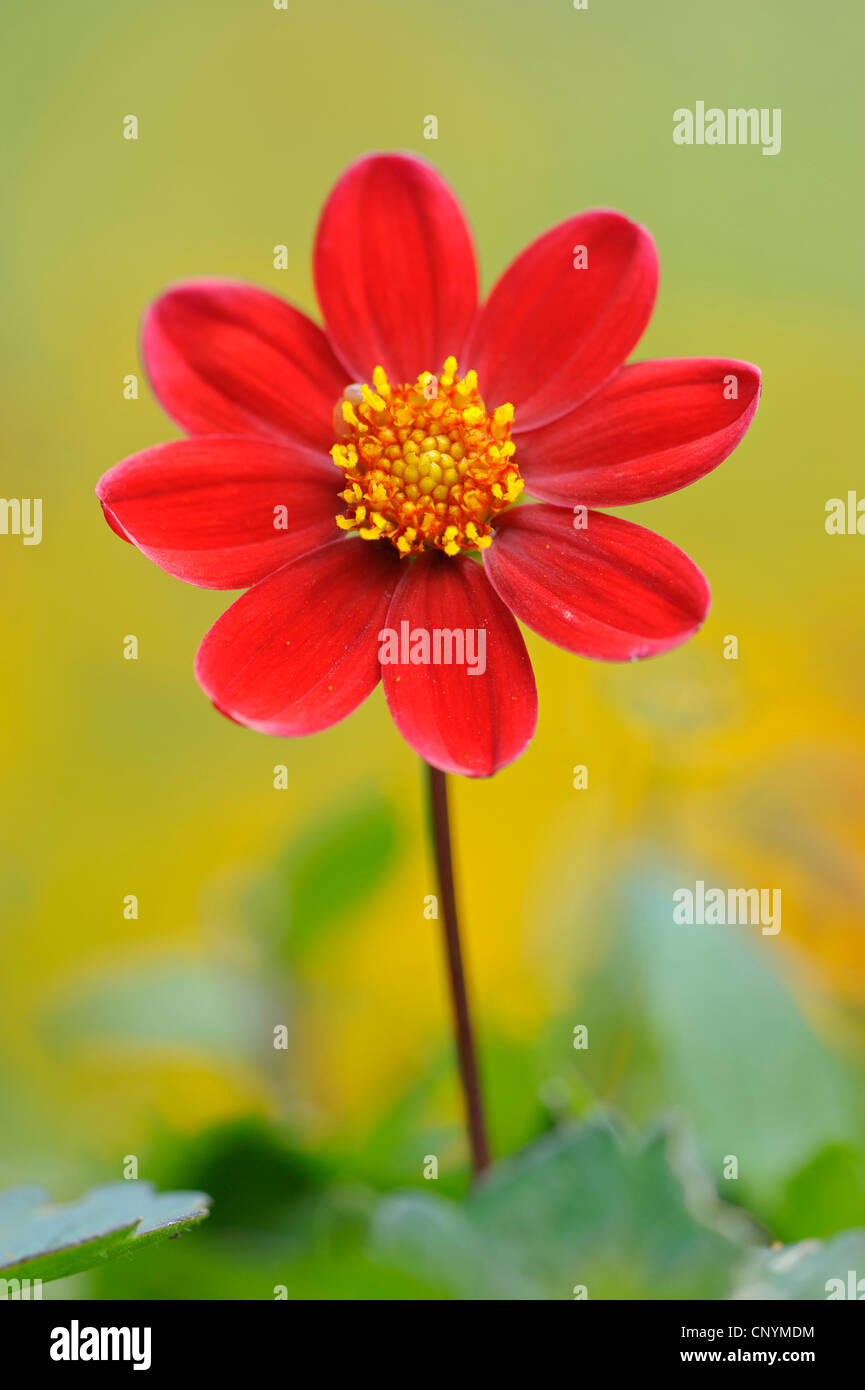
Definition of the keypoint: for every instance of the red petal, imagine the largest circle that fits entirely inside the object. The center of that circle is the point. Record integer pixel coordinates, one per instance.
(227, 358)
(613, 591)
(655, 427)
(299, 651)
(456, 720)
(394, 268)
(204, 509)
(549, 335)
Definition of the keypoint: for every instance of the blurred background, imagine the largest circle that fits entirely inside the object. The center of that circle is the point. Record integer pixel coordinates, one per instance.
(153, 1037)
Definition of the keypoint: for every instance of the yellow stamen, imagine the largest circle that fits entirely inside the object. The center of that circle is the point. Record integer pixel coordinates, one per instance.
(425, 465)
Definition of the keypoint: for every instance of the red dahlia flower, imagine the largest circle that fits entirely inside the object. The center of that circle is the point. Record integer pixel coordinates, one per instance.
(358, 483)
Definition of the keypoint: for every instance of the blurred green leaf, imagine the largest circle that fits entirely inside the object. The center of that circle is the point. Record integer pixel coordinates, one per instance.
(185, 1003)
(580, 1206)
(803, 1271)
(297, 1222)
(521, 1097)
(699, 1018)
(324, 879)
(631, 1218)
(236, 1270)
(39, 1240)
(826, 1195)
(279, 1178)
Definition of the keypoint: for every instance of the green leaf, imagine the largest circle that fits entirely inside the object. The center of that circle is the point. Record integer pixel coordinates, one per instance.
(700, 1017)
(805, 1271)
(39, 1240)
(581, 1206)
(173, 1003)
(827, 1195)
(324, 879)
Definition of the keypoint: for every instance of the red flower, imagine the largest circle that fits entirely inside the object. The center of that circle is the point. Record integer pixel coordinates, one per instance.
(427, 469)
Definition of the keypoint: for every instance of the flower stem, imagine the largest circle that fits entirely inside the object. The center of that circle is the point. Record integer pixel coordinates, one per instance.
(469, 1075)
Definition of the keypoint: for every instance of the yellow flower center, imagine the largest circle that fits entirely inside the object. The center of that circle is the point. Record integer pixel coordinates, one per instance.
(424, 464)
